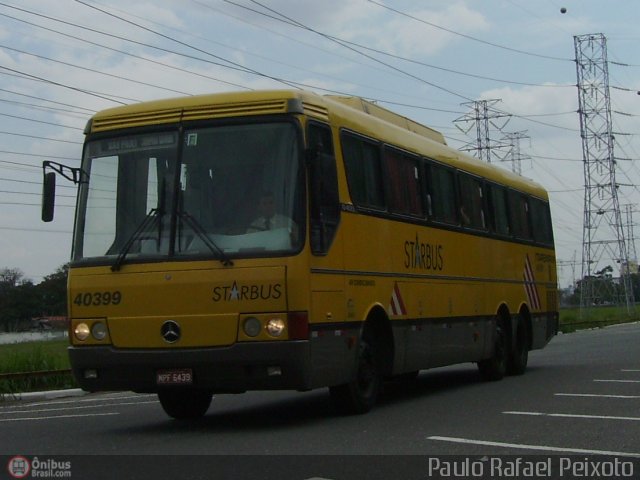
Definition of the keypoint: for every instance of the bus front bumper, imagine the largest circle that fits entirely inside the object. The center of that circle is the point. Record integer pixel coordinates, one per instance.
(233, 369)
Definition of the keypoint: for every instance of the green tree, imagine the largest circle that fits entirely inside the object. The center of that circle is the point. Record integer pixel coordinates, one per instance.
(17, 299)
(52, 292)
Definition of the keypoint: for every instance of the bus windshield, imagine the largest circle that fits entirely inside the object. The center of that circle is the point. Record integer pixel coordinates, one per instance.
(221, 191)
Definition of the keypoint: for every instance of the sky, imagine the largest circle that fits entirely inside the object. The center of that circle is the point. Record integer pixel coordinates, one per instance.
(63, 60)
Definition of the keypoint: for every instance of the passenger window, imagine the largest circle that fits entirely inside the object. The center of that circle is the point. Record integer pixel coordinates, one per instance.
(404, 183)
(471, 202)
(519, 215)
(498, 209)
(441, 194)
(541, 221)
(364, 175)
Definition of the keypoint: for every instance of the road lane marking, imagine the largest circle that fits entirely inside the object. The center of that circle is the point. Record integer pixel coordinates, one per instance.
(570, 415)
(24, 419)
(619, 381)
(593, 395)
(521, 446)
(81, 407)
(630, 370)
(101, 398)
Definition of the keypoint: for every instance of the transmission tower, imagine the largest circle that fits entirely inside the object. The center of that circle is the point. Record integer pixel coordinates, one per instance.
(603, 238)
(482, 116)
(631, 239)
(514, 155)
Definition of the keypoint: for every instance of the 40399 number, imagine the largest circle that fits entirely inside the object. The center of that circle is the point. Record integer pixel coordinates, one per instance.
(96, 299)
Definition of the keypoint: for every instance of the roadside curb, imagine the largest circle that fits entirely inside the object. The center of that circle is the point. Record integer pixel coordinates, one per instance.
(46, 395)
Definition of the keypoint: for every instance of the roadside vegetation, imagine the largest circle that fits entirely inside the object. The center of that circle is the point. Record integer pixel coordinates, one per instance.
(35, 357)
(571, 319)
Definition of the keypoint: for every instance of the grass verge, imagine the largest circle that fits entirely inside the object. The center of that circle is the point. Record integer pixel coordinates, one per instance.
(32, 357)
(571, 319)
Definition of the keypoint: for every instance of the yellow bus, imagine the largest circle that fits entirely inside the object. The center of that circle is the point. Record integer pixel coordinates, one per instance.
(287, 240)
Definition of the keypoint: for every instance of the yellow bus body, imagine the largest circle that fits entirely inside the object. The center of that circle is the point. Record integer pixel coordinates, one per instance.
(436, 290)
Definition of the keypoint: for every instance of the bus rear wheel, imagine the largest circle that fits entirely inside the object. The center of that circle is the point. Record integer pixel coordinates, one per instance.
(495, 367)
(519, 356)
(185, 404)
(360, 394)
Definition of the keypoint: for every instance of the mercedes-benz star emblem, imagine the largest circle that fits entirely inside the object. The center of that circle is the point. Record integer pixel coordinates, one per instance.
(170, 331)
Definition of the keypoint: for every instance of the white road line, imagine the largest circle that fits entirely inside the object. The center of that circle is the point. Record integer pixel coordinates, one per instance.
(593, 395)
(81, 407)
(619, 381)
(24, 419)
(84, 400)
(545, 448)
(630, 370)
(570, 415)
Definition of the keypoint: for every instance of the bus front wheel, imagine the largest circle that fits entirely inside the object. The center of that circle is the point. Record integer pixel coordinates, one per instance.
(360, 394)
(184, 404)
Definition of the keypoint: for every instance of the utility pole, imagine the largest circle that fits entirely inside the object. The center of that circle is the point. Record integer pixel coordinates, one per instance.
(603, 237)
(482, 116)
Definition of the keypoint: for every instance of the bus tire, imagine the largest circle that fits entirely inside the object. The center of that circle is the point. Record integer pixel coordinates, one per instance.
(360, 394)
(495, 367)
(185, 404)
(519, 355)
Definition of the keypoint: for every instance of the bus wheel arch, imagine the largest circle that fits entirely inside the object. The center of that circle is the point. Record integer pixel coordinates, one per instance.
(495, 367)
(374, 359)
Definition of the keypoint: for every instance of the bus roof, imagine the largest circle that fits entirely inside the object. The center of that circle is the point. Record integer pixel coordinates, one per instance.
(352, 113)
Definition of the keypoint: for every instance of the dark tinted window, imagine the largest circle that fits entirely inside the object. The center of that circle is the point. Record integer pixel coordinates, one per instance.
(498, 210)
(519, 215)
(541, 222)
(364, 175)
(404, 183)
(471, 202)
(441, 194)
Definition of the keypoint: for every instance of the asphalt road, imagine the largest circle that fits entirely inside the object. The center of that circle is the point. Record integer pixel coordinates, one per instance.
(580, 396)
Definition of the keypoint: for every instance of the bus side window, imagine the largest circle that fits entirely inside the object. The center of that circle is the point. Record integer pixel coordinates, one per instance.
(498, 209)
(364, 173)
(471, 201)
(520, 215)
(404, 183)
(324, 201)
(442, 194)
(541, 222)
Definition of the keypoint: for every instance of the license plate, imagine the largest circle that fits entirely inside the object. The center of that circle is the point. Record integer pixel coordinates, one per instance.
(181, 376)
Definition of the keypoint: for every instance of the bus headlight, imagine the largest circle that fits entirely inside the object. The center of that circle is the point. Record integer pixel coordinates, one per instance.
(275, 327)
(252, 327)
(81, 331)
(99, 331)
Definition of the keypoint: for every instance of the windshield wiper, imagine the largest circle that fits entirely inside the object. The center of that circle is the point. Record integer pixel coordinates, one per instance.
(202, 234)
(148, 219)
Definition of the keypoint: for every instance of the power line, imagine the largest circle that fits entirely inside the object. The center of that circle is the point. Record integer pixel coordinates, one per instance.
(120, 77)
(39, 138)
(184, 44)
(86, 92)
(41, 121)
(469, 37)
(345, 45)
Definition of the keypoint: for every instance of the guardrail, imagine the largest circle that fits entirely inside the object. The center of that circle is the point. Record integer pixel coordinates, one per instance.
(36, 374)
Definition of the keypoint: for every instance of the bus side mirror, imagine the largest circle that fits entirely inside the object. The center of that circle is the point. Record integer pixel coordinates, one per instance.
(48, 196)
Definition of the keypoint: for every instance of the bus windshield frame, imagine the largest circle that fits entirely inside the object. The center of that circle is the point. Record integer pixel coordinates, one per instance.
(192, 191)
